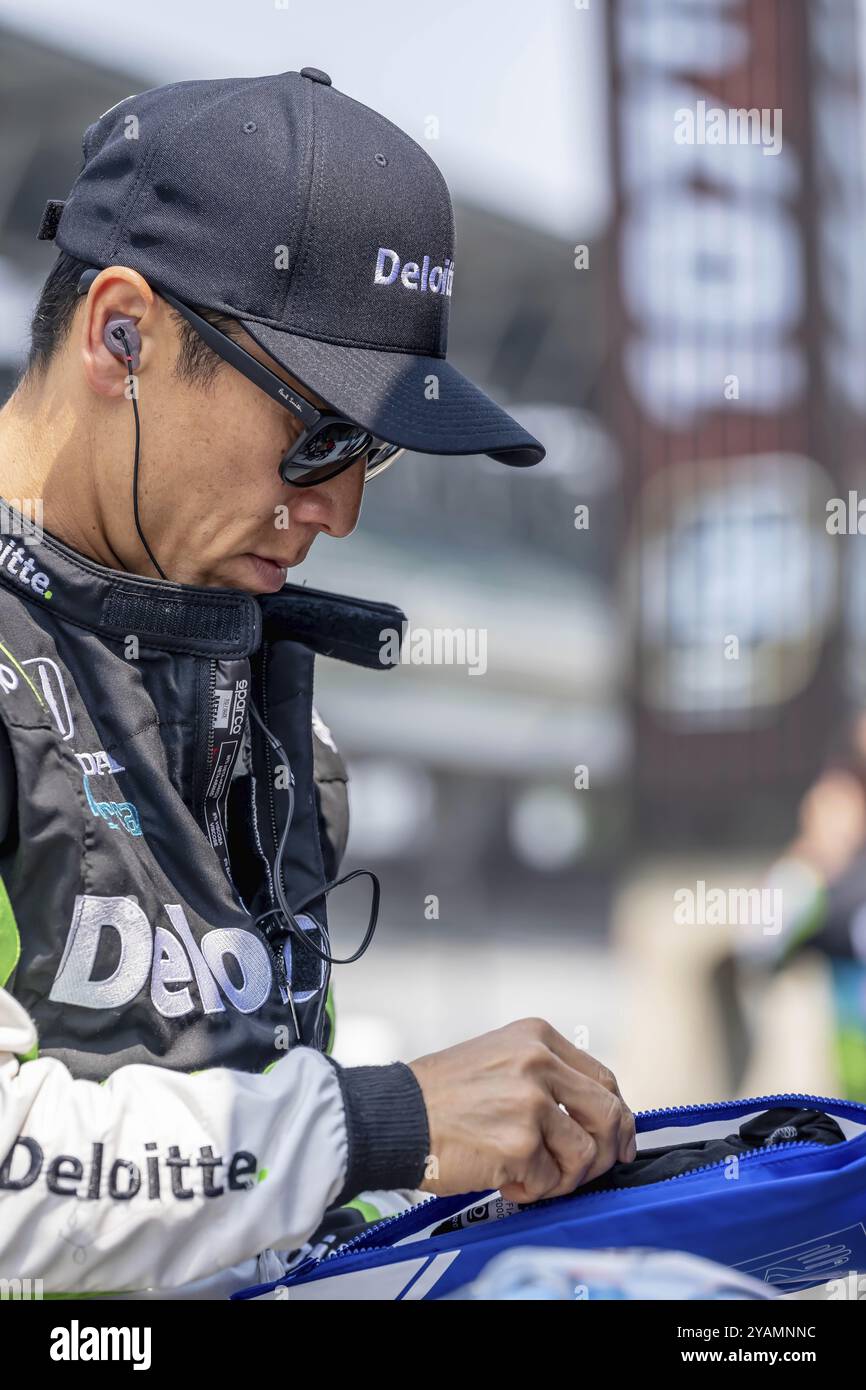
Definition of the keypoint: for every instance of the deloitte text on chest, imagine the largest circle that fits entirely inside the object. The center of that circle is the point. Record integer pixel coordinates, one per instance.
(15, 560)
(170, 963)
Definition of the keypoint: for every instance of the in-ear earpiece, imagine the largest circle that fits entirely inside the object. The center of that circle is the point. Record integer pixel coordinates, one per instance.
(119, 325)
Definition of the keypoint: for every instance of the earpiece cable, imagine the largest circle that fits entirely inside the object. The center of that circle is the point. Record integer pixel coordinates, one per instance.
(128, 355)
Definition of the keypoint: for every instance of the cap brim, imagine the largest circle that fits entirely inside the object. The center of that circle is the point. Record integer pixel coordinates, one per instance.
(390, 394)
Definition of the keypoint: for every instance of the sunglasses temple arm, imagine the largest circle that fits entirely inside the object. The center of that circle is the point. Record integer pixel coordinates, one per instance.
(254, 370)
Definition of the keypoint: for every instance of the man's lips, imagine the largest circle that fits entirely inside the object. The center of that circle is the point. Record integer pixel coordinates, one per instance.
(271, 575)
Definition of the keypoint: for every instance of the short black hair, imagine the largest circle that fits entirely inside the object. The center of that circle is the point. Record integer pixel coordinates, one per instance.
(55, 309)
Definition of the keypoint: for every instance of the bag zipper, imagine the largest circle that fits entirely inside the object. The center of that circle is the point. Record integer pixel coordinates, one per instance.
(364, 1241)
(816, 1102)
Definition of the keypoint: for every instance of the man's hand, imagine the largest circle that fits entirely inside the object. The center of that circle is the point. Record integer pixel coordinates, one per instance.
(493, 1106)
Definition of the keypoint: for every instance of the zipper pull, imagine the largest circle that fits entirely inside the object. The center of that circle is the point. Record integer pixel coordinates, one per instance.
(276, 937)
(294, 1014)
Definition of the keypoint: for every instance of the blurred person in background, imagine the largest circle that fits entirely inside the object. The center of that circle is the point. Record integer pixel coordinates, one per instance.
(822, 877)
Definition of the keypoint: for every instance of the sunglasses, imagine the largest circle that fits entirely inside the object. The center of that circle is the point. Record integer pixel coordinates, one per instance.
(328, 442)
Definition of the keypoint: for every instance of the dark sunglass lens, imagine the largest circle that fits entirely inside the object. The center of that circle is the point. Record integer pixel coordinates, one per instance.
(333, 442)
(377, 461)
(308, 477)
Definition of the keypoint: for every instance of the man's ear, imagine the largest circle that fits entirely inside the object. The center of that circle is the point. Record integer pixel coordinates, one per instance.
(111, 342)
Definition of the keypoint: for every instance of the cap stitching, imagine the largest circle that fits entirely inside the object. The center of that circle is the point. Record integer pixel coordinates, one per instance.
(109, 246)
(162, 146)
(314, 194)
(444, 198)
(444, 305)
(121, 229)
(296, 233)
(447, 208)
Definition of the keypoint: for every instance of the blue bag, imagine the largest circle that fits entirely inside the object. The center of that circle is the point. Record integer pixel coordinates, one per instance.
(792, 1215)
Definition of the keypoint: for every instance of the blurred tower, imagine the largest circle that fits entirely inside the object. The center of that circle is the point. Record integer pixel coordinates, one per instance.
(736, 390)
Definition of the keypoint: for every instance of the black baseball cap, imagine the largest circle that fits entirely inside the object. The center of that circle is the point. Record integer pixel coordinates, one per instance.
(317, 224)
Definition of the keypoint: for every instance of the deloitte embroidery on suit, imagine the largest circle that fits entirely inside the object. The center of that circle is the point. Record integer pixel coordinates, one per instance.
(152, 1175)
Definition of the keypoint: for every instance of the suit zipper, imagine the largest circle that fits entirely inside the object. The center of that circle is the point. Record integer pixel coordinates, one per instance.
(200, 782)
(211, 712)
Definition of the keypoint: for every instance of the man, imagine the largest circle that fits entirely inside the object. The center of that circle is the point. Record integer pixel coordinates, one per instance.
(248, 319)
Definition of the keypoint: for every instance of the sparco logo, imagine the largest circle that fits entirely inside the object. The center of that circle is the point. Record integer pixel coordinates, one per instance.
(168, 962)
(240, 709)
(437, 279)
(230, 707)
(15, 560)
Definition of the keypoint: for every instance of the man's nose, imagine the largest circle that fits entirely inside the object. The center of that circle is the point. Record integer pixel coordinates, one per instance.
(334, 505)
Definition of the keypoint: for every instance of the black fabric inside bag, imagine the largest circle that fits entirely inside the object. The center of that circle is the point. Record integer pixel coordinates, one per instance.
(778, 1126)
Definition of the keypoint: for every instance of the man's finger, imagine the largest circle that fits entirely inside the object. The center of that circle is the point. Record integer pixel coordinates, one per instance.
(601, 1113)
(541, 1176)
(582, 1061)
(576, 1152)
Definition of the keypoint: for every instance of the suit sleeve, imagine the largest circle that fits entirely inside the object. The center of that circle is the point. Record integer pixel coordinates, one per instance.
(155, 1179)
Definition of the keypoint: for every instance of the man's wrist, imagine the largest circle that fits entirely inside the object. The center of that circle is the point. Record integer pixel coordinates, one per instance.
(387, 1130)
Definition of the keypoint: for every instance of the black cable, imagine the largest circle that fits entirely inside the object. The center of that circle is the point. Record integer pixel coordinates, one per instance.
(283, 906)
(153, 560)
(372, 921)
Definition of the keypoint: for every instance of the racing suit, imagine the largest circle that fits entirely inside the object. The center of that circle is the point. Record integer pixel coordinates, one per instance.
(138, 869)
(158, 1180)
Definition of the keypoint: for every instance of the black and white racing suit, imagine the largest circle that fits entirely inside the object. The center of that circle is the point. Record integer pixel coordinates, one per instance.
(137, 867)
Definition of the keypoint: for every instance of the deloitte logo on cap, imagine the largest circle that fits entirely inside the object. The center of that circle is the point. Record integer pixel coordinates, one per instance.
(15, 560)
(437, 279)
